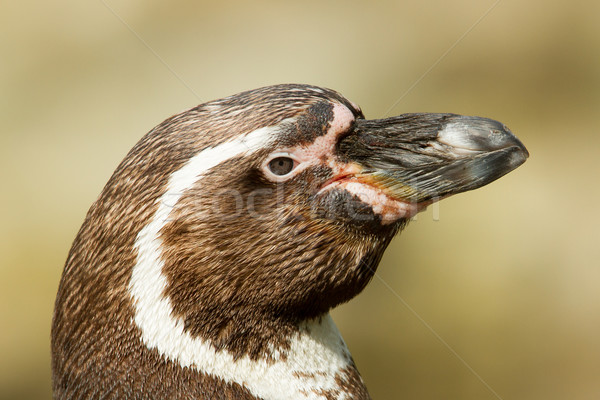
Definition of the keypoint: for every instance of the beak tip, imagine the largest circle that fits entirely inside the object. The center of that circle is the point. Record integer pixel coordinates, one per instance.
(475, 134)
(523, 150)
(519, 156)
(514, 141)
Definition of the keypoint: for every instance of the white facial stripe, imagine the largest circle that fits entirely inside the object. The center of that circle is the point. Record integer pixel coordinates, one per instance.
(317, 352)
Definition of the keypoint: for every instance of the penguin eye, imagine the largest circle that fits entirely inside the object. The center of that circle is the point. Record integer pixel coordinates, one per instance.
(281, 165)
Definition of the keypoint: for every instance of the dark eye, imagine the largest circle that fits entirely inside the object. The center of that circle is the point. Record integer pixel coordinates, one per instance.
(281, 165)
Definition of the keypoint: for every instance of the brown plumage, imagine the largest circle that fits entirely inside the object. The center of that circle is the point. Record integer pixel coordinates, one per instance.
(250, 260)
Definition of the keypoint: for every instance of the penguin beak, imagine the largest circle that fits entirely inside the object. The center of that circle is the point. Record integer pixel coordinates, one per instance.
(421, 158)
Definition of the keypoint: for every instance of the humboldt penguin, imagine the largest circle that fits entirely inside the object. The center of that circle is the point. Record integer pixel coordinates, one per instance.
(207, 267)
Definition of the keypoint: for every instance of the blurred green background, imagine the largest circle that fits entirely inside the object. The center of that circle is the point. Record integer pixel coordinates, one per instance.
(508, 276)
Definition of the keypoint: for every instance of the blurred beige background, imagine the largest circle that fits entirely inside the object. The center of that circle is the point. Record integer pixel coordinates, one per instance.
(508, 277)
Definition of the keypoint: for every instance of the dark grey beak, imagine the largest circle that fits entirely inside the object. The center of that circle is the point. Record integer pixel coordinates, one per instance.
(424, 157)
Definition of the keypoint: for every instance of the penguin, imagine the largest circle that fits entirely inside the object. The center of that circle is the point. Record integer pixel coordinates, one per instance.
(207, 267)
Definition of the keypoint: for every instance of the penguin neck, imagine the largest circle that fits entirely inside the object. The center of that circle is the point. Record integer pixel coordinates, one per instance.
(306, 358)
(310, 362)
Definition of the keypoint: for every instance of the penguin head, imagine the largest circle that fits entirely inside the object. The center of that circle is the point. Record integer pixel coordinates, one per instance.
(236, 220)
(282, 200)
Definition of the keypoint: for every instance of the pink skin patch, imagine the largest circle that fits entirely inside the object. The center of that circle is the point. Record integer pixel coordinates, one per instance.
(320, 152)
(389, 209)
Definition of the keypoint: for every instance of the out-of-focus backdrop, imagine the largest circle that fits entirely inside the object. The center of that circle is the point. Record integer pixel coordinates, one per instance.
(494, 294)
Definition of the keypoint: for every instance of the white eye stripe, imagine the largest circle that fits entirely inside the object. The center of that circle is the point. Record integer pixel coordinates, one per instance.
(319, 353)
